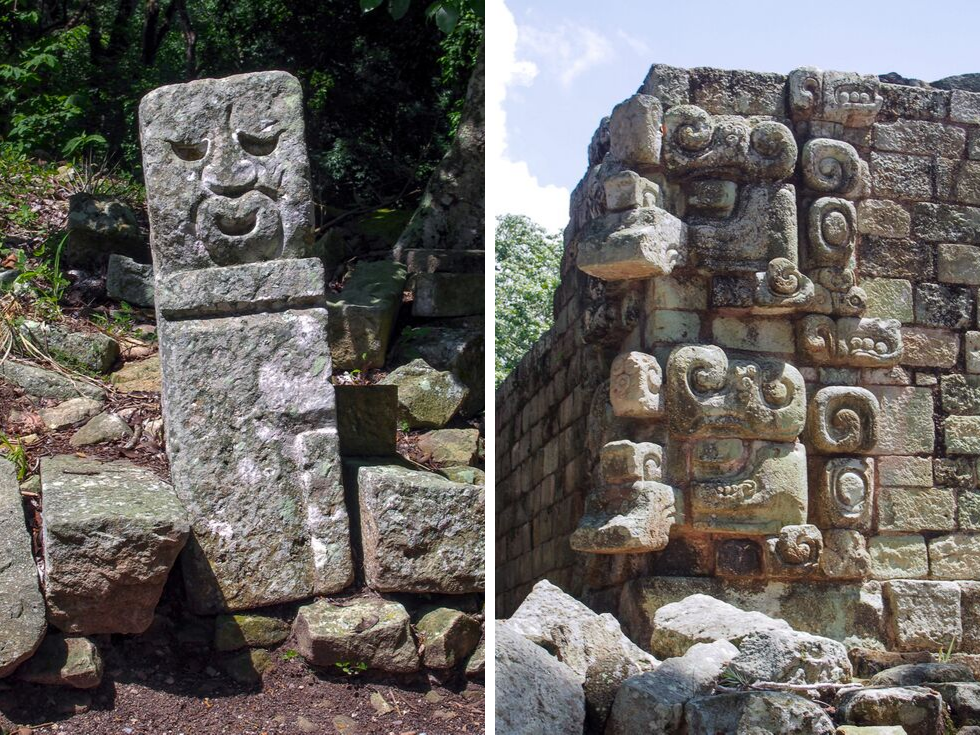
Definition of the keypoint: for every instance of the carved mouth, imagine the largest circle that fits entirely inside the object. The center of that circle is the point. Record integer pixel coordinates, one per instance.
(236, 226)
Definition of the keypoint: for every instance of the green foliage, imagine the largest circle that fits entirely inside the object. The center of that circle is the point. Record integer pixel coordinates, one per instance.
(351, 668)
(527, 271)
(945, 655)
(13, 451)
(734, 679)
(289, 654)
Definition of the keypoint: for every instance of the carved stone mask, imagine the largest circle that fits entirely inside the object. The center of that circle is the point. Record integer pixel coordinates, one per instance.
(227, 176)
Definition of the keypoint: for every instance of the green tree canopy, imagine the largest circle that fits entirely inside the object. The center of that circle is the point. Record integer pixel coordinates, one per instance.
(527, 271)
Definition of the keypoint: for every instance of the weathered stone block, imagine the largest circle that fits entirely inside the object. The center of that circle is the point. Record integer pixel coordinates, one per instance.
(922, 615)
(64, 661)
(845, 555)
(448, 294)
(916, 509)
(367, 419)
(427, 398)
(905, 471)
(939, 305)
(755, 712)
(964, 107)
(946, 223)
(905, 423)
(448, 636)
(672, 327)
(93, 351)
(959, 264)
(917, 710)
(363, 314)
(895, 557)
(99, 225)
(738, 558)
(638, 243)
(962, 434)
(373, 631)
(924, 347)
(883, 217)
(420, 532)
(902, 177)
(634, 130)
(22, 614)
(889, 298)
(922, 138)
(843, 491)
(232, 632)
(129, 281)
(111, 533)
(791, 657)
(956, 556)
(960, 394)
(971, 349)
(43, 383)
(634, 385)
(968, 505)
(954, 472)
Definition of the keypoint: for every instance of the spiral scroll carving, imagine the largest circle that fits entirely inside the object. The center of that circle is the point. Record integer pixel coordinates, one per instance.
(844, 420)
(834, 167)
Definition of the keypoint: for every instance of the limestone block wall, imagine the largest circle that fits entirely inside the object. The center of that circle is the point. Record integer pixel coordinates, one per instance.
(763, 381)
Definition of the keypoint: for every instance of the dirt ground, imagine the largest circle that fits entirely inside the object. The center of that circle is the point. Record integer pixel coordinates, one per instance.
(148, 692)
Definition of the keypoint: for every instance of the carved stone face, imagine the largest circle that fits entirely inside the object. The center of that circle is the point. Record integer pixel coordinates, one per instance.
(227, 177)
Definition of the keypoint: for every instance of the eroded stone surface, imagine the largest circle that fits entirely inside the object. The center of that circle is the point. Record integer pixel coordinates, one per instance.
(780, 713)
(111, 533)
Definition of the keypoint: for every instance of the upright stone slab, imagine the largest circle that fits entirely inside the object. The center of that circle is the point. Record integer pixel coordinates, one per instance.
(249, 407)
(22, 622)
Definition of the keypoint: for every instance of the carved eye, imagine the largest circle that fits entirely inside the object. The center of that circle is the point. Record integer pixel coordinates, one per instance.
(190, 151)
(258, 146)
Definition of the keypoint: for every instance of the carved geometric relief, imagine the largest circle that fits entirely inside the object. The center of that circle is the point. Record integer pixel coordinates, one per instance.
(834, 167)
(843, 490)
(782, 288)
(841, 97)
(843, 419)
(710, 395)
(634, 385)
(850, 342)
(767, 492)
(697, 142)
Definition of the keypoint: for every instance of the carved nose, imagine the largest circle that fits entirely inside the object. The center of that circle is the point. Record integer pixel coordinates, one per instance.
(229, 178)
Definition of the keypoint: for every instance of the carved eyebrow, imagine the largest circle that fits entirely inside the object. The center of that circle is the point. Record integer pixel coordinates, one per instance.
(261, 144)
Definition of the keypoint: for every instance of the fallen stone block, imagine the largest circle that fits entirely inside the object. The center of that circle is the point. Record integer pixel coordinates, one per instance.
(247, 667)
(775, 713)
(99, 225)
(111, 533)
(535, 693)
(427, 398)
(791, 657)
(919, 710)
(420, 532)
(703, 619)
(64, 661)
(450, 446)
(367, 420)
(448, 294)
(43, 383)
(593, 646)
(654, 701)
(963, 700)
(373, 631)
(22, 615)
(93, 351)
(141, 376)
(458, 350)
(908, 675)
(129, 281)
(232, 632)
(922, 615)
(361, 316)
(72, 411)
(106, 427)
(448, 636)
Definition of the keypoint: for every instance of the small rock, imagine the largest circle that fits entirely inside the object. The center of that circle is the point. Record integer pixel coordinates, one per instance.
(129, 281)
(138, 376)
(449, 637)
(345, 724)
(915, 674)
(36, 381)
(232, 632)
(476, 665)
(106, 427)
(919, 710)
(535, 693)
(427, 398)
(69, 412)
(469, 475)
(93, 351)
(247, 667)
(370, 631)
(64, 661)
(745, 713)
(306, 725)
(963, 700)
(450, 446)
(380, 704)
(857, 730)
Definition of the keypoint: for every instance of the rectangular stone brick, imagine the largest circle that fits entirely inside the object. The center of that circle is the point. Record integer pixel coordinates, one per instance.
(901, 176)
(960, 395)
(973, 145)
(946, 223)
(959, 264)
(922, 616)
(883, 217)
(934, 348)
(967, 182)
(672, 326)
(901, 100)
(668, 292)
(943, 305)
(896, 258)
(756, 334)
(896, 557)
(905, 424)
(916, 509)
(956, 556)
(972, 348)
(953, 472)
(970, 615)
(889, 298)
(964, 107)
(896, 375)
(923, 138)
(962, 434)
(968, 510)
(905, 471)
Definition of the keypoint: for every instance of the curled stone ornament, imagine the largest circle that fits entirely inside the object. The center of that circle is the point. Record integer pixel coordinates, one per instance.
(840, 97)
(843, 419)
(834, 167)
(849, 341)
(783, 287)
(842, 491)
(832, 232)
(796, 551)
(634, 385)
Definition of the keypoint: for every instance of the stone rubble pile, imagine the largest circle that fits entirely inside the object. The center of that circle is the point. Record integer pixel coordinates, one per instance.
(728, 671)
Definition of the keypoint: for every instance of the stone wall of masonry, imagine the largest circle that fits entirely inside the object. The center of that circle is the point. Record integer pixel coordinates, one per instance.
(763, 382)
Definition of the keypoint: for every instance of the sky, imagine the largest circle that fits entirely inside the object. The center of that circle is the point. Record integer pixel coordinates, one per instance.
(555, 68)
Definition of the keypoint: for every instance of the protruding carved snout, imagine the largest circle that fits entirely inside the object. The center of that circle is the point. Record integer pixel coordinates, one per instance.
(229, 175)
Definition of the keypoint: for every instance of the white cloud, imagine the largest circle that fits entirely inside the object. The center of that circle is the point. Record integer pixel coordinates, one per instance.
(511, 187)
(640, 47)
(567, 49)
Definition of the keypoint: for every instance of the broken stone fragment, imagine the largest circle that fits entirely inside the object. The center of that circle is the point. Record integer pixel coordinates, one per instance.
(791, 657)
(374, 632)
(919, 710)
(448, 636)
(143, 375)
(703, 619)
(98, 226)
(111, 532)
(654, 701)
(43, 383)
(64, 661)
(637, 243)
(72, 411)
(427, 398)
(93, 351)
(106, 427)
(535, 692)
(420, 532)
(22, 614)
(450, 446)
(129, 281)
(232, 632)
(247, 667)
(752, 712)
(476, 663)
(925, 673)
